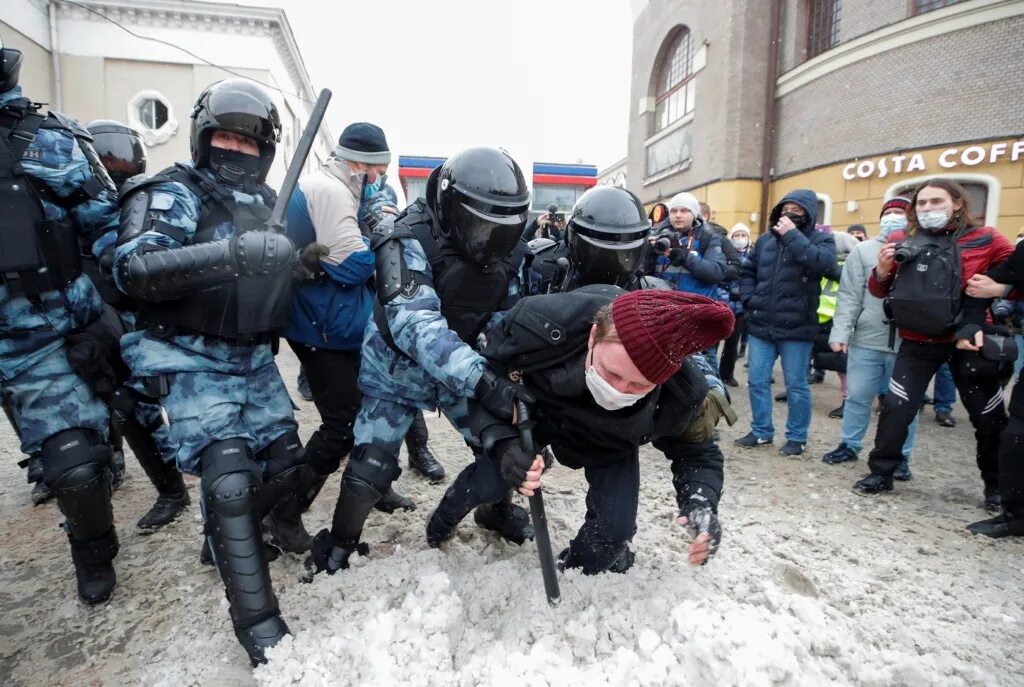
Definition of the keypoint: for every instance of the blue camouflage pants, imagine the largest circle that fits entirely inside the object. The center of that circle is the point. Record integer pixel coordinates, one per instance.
(49, 397)
(204, 407)
(384, 423)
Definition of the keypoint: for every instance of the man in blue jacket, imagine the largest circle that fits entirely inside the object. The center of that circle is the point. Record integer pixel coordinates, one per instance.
(698, 264)
(779, 288)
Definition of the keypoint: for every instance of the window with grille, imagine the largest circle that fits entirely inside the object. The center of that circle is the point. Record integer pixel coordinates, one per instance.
(823, 26)
(922, 6)
(676, 89)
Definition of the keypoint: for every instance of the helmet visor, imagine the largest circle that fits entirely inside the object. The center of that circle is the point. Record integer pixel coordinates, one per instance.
(482, 237)
(243, 113)
(606, 262)
(122, 155)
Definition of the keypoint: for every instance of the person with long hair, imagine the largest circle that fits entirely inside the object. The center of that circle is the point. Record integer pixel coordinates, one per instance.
(921, 274)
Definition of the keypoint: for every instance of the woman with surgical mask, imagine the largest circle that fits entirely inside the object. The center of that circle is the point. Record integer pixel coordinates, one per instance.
(936, 329)
(729, 292)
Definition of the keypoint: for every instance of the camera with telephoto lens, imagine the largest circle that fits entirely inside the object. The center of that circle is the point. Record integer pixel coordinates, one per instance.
(662, 245)
(904, 252)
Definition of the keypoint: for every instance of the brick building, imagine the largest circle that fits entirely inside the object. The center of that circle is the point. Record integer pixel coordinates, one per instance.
(862, 98)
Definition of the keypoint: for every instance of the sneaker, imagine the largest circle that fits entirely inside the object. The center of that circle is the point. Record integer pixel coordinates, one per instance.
(752, 441)
(731, 382)
(792, 448)
(837, 413)
(841, 454)
(873, 484)
(782, 397)
(944, 420)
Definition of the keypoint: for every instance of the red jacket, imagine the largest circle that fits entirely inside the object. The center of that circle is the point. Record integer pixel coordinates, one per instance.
(980, 249)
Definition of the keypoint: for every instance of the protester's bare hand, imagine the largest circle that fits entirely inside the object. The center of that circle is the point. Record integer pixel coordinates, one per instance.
(981, 286)
(532, 480)
(837, 347)
(967, 345)
(784, 225)
(699, 547)
(886, 261)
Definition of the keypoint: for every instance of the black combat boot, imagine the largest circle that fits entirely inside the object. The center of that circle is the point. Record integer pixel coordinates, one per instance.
(94, 567)
(1007, 524)
(509, 521)
(283, 524)
(873, 484)
(172, 495)
(392, 501)
(421, 458)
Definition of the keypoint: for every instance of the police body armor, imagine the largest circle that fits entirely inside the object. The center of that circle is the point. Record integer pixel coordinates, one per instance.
(470, 294)
(249, 309)
(38, 254)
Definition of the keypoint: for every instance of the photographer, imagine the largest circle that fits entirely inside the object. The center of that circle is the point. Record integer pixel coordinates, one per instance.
(921, 274)
(997, 284)
(550, 225)
(696, 263)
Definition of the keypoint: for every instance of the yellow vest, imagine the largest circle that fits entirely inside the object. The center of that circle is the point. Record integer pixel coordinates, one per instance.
(829, 299)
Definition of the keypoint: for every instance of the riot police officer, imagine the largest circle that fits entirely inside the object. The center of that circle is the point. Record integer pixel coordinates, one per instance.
(605, 243)
(123, 155)
(213, 286)
(54, 194)
(443, 269)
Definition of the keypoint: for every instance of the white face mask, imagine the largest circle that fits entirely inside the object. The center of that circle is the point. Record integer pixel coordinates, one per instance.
(893, 222)
(933, 219)
(607, 396)
(741, 244)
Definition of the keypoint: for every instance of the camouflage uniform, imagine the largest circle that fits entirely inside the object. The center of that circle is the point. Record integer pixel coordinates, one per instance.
(46, 396)
(217, 389)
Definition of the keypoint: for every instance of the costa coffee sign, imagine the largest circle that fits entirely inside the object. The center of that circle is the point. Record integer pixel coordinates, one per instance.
(950, 158)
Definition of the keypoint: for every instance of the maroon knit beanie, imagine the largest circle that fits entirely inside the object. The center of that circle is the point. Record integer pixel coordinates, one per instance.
(896, 202)
(660, 328)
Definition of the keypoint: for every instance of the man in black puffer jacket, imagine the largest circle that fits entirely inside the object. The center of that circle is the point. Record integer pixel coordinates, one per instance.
(779, 289)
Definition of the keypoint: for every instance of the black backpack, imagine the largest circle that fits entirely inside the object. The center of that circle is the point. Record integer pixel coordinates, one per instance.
(927, 288)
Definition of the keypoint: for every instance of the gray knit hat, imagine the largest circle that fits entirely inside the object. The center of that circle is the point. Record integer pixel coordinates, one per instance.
(363, 142)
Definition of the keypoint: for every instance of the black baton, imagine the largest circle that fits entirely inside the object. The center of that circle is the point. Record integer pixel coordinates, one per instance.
(537, 514)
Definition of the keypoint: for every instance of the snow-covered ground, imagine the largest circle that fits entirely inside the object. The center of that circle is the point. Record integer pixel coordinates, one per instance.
(813, 585)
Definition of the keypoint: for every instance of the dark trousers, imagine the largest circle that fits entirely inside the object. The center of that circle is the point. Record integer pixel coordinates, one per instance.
(730, 348)
(1011, 455)
(982, 396)
(333, 380)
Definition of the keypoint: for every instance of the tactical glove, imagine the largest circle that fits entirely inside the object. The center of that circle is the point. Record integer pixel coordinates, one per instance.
(514, 461)
(499, 395)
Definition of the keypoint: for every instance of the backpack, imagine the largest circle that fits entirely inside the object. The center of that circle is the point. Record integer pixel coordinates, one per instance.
(927, 288)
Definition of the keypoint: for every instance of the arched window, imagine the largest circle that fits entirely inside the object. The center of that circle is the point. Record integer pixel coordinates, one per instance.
(674, 84)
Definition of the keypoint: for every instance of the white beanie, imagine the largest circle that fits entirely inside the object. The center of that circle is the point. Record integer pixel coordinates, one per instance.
(685, 200)
(740, 226)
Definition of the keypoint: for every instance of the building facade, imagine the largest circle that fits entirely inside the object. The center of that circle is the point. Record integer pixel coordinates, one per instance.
(100, 71)
(739, 101)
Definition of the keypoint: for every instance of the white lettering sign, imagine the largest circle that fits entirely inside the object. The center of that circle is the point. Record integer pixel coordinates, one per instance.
(950, 158)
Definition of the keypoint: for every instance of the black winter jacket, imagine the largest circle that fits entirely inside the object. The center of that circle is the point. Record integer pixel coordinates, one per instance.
(781, 278)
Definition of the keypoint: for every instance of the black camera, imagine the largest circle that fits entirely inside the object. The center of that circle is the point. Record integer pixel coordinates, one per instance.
(662, 245)
(904, 252)
(557, 218)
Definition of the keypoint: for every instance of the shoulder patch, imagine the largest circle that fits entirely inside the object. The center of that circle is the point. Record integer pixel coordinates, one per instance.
(161, 200)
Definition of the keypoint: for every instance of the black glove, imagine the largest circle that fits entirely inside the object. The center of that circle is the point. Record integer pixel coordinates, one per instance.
(513, 461)
(499, 395)
(262, 252)
(94, 352)
(701, 518)
(328, 556)
(308, 266)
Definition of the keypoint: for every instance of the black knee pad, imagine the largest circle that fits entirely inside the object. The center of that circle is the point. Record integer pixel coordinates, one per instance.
(283, 456)
(370, 468)
(76, 467)
(325, 454)
(231, 478)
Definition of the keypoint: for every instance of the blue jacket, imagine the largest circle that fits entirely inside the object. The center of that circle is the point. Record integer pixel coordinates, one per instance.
(698, 264)
(331, 311)
(781, 279)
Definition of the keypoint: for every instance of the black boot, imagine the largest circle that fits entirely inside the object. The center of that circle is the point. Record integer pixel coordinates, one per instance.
(421, 458)
(873, 484)
(326, 554)
(993, 500)
(94, 567)
(283, 524)
(509, 521)
(303, 384)
(172, 495)
(392, 501)
(231, 498)
(1005, 525)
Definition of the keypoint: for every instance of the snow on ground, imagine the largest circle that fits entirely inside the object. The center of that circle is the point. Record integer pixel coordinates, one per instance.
(814, 585)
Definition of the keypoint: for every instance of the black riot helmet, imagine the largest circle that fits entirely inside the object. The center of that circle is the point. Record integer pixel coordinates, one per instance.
(482, 202)
(607, 235)
(10, 67)
(243, 107)
(120, 149)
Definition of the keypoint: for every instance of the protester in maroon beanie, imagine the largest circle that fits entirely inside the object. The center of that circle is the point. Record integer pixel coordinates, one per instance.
(611, 372)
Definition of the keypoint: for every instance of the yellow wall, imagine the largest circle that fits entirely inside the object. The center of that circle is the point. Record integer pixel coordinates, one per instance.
(869, 193)
(731, 201)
